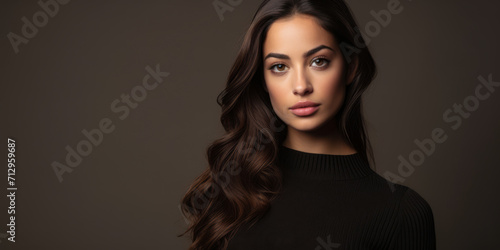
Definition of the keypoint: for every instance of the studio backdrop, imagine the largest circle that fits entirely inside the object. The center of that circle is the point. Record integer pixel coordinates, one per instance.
(108, 107)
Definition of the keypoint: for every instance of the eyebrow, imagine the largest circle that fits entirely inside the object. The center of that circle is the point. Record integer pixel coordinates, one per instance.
(305, 55)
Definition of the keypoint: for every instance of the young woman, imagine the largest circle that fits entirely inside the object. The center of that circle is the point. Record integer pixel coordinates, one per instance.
(293, 168)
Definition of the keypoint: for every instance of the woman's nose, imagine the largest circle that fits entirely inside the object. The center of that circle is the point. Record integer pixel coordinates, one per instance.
(302, 85)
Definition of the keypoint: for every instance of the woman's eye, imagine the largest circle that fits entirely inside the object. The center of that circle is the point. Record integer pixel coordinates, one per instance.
(319, 60)
(280, 67)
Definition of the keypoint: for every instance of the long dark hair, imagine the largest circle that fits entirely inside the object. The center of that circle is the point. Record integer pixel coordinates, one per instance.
(243, 178)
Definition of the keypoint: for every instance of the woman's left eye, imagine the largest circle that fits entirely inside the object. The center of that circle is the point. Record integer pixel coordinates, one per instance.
(319, 60)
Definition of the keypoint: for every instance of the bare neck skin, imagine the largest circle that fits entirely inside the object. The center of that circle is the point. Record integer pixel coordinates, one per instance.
(324, 140)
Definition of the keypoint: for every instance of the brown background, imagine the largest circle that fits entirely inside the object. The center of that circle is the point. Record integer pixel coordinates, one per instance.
(125, 194)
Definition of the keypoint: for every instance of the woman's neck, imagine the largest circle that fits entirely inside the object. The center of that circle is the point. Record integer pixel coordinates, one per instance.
(331, 142)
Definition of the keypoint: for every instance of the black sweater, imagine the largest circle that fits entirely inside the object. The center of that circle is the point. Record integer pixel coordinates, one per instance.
(338, 202)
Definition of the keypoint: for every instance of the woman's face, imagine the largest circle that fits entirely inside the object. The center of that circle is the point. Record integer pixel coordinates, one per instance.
(303, 62)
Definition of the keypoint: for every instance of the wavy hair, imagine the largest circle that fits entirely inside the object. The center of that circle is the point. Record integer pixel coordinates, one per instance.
(242, 177)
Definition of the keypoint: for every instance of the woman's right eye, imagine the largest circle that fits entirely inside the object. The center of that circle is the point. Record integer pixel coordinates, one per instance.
(278, 66)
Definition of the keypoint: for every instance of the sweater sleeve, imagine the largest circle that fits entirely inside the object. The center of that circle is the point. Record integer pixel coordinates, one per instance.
(416, 224)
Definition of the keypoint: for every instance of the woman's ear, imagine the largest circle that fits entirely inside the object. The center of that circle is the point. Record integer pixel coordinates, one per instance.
(352, 68)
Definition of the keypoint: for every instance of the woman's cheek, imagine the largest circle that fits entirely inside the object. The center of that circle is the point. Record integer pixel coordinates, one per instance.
(278, 101)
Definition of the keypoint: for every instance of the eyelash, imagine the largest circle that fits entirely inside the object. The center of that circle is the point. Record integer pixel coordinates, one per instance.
(279, 63)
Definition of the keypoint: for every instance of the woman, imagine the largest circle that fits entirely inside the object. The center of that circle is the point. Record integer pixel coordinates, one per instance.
(293, 168)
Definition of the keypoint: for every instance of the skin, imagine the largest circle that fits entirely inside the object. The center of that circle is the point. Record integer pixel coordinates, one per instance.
(319, 78)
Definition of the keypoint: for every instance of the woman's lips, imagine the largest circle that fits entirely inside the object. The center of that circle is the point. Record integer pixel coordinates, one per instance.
(305, 111)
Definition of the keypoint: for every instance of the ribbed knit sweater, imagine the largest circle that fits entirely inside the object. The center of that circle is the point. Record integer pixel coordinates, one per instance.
(338, 202)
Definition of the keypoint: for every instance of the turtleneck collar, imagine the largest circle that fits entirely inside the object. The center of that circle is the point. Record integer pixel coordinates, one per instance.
(324, 166)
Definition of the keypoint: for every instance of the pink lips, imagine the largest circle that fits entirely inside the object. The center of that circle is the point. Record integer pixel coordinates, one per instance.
(304, 108)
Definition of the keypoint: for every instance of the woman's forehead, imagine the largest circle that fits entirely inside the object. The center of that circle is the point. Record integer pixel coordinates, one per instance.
(297, 34)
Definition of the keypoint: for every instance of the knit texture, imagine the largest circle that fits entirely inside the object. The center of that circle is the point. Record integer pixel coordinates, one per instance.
(338, 202)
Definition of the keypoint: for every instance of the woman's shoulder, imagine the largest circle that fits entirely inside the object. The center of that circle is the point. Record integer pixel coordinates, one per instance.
(407, 210)
(411, 205)
(415, 220)
(402, 192)
(404, 196)
(412, 202)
